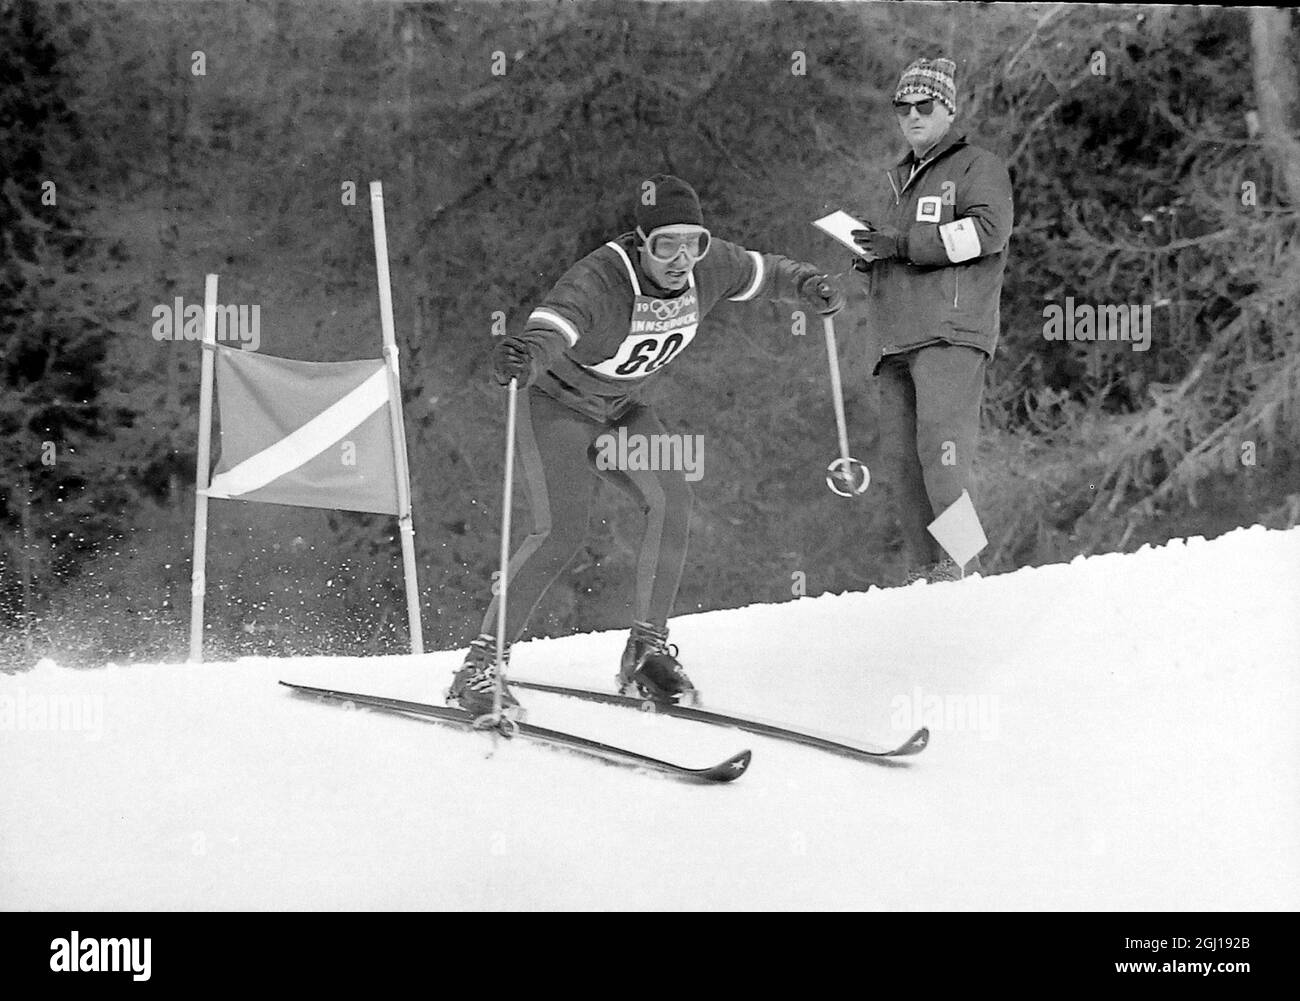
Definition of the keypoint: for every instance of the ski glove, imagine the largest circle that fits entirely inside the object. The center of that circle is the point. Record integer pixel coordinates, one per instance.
(880, 244)
(512, 359)
(821, 292)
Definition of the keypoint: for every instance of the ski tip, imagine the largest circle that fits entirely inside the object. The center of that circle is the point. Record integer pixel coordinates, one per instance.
(914, 744)
(299, 689)
(730, 770)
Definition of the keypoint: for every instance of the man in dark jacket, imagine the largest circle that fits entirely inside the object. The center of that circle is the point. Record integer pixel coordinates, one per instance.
(934, 256)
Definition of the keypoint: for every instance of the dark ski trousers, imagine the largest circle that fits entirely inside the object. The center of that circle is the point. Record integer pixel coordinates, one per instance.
(929, 423)
(556, 448)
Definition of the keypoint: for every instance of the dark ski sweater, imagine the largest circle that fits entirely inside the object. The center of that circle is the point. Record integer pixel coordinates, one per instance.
(586, 319)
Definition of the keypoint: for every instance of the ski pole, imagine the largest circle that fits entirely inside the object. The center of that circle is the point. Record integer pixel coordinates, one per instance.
(512, 394)
(845, 469)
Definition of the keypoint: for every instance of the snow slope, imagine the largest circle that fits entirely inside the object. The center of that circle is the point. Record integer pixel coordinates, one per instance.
(1116, 733)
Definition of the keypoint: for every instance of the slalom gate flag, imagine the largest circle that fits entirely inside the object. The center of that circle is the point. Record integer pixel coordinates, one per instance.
(312, 434)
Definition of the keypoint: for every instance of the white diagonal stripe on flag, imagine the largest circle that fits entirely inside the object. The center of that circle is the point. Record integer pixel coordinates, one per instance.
(304, 444)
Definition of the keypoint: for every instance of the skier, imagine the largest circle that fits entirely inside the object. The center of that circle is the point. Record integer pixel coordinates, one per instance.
(587, 355)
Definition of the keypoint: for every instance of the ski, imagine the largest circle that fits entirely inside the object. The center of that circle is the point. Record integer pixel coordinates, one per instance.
(725, 771)
(866, 752)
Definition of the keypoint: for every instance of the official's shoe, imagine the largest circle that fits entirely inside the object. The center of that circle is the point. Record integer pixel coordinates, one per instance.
(946, 569)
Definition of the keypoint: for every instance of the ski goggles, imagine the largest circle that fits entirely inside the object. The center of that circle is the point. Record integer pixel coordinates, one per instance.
(666, 243)
(924, 108)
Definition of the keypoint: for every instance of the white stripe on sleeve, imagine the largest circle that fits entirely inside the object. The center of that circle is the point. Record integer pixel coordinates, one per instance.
(554, 319)
(754, 285)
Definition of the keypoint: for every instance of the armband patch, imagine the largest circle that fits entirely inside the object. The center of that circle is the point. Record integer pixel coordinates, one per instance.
(960, 240)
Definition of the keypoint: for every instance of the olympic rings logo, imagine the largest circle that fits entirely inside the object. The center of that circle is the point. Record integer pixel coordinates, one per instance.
(666, 309)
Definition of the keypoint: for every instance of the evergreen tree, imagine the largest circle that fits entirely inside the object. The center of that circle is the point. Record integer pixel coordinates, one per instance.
(58, 498)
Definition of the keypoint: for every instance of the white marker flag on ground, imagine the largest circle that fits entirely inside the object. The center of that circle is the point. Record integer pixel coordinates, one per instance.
(959, 530)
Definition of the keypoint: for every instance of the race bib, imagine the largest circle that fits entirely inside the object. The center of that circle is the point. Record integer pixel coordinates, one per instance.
(659, 330)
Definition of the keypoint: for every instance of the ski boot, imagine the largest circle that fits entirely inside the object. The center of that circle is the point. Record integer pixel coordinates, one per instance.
(474, 686)
(651, 670)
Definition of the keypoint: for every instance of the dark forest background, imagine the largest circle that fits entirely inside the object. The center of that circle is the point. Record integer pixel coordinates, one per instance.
(1154, 157)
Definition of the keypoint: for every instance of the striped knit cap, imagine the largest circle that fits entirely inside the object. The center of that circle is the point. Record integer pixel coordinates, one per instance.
(932, 78)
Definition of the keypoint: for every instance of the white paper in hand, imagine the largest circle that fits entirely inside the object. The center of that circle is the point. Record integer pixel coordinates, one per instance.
(841, 225)
(959, 531)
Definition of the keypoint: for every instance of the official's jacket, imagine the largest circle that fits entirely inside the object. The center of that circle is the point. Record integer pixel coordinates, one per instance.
(955, 211)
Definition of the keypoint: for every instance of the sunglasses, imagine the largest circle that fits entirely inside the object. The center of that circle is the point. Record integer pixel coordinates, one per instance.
(664, 246)
(904, 108)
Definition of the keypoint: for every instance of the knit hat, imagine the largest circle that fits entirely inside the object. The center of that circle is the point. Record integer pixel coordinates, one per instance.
(671, 202)
(932, 78)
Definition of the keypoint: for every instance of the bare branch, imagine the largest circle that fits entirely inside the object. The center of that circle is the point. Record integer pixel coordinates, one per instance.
(1033, 34)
